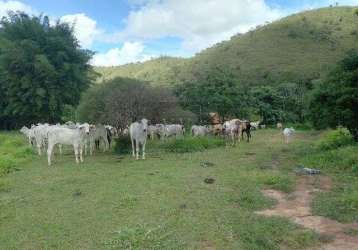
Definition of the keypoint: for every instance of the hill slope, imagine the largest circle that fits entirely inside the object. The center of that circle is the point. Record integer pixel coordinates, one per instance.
(300, 47)
(159, 71)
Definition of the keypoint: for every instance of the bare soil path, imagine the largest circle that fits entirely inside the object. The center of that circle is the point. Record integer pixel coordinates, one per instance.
(296, 206)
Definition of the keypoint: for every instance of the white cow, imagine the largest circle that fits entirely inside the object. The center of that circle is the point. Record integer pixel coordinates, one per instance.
(288, 133)
(100, 134)
(40, 133)
(152, 131)
(279, 125)
(156, 130)
(67, 136)
(233, 129)
(255, 125)
(174, 130)
(197, 130)
(29, 133)
(138, 132)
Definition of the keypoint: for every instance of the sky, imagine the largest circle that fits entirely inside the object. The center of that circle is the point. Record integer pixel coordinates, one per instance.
(129, 31)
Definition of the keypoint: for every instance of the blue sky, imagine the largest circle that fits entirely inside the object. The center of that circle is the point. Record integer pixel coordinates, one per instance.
(125, 31)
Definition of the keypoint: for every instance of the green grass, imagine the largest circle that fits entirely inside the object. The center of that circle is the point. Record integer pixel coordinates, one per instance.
(14, 151)
(113, 202)
(335, 155)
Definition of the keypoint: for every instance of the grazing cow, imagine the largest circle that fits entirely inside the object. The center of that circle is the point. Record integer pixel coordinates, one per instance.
(288, 133)
(262, 126)
(67, 136)
(174, 130)
(255, 125)
(199, 130)
(138, 132)
(279, 125)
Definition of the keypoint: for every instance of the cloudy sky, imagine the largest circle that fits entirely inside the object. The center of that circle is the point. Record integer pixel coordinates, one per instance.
(124, 31)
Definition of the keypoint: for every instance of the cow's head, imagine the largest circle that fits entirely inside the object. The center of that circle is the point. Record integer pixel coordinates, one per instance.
(144, 125)
(85, 127)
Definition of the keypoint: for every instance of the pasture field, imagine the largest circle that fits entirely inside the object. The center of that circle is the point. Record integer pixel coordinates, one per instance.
(115, 202)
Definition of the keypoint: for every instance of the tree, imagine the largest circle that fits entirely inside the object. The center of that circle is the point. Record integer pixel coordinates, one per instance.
(213, 91)
(42, 69)
(267, 103)
(123, 100)
(335, 99)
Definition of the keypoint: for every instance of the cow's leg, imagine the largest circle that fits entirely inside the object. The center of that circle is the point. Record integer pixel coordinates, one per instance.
(38, 144)
(75, 148)
(49, 154)
(81, 152)
(133, 151)
(91, 145)
(106, 145)
(137, 149)
(143, 150)
(60, 148)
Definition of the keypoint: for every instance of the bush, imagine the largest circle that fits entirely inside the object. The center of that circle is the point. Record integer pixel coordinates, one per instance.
(335, 139)
(191, 144)
(123, 145)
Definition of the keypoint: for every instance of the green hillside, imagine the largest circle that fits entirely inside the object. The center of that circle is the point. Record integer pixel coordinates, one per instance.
(300, 47)
(160, 71)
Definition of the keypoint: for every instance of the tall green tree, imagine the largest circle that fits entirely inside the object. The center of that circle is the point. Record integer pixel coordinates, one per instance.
(213, 91)
(42, 69)
(335, 100)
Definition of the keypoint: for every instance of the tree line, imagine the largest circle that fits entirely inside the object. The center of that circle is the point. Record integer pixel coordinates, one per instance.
(44, 72)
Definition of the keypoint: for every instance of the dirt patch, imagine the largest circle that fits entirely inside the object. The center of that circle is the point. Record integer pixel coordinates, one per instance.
(296, 207)
(207, 245)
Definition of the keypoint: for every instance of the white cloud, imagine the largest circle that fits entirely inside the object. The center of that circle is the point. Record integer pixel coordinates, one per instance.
(199, 23)
(86, 30)
(128, 53)
(6, 6)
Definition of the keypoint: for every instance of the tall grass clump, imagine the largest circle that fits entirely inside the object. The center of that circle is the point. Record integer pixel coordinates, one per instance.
(335, 139)
(123, 145)
(190, 144)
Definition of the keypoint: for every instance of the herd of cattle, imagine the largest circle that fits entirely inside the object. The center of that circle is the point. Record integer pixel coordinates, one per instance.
(86, 137)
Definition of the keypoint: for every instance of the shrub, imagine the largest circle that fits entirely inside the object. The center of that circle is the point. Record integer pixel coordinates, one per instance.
(191, 144)
(335, 139)
(123, 145)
